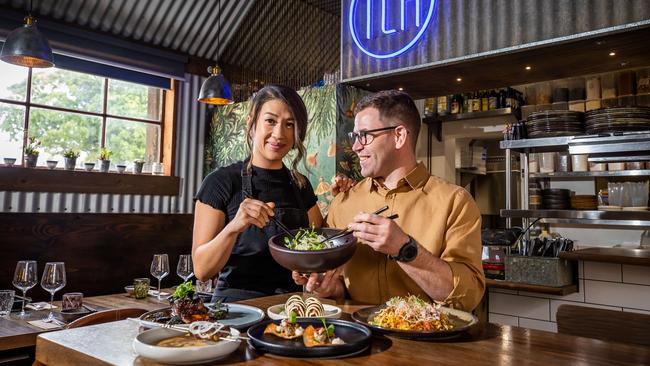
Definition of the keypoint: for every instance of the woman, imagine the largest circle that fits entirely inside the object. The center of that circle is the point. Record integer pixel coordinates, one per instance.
(231, 232)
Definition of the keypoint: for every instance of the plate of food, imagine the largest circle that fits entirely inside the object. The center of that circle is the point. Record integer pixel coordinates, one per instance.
(309, 337)
(310, 251)
(171, 346)
(187, 307)
(412, 317)
(310, 307)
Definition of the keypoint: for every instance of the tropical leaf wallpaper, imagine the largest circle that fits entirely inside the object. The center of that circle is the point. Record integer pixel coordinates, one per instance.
(329, 151)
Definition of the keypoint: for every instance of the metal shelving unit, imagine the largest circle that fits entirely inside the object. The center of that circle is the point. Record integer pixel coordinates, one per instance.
(610, 148)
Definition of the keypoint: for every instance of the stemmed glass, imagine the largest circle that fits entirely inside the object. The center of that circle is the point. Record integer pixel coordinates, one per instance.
(160, 268)
(52, 281)
(25, 277)
(184, 269)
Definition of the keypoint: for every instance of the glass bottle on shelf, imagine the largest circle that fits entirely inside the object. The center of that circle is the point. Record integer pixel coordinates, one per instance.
(492, 100)
(455, 104)
(485, 102)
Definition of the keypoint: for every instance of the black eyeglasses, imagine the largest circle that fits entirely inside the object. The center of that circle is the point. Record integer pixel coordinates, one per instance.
(366, 137)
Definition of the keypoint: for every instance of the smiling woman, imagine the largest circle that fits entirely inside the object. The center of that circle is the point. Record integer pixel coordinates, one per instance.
(231, 232)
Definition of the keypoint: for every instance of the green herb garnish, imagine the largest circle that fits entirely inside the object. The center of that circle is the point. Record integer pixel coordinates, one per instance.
(329, 328)
(307, 239)
(184, 290)
(293, 317)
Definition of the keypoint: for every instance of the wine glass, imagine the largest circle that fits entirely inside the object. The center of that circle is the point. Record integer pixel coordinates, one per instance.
(52, 281)
(184, 269)
(160, 268)
(25, 277)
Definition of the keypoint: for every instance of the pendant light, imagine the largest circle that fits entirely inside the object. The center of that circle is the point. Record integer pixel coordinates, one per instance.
(26, 46)
(216, 89)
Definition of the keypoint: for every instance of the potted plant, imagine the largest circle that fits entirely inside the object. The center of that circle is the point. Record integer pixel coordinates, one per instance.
(70, 159)
(105, 160)
(137, 166)
(31, 152)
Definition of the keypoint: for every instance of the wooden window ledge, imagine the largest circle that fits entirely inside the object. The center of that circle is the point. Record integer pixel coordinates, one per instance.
(21, 179)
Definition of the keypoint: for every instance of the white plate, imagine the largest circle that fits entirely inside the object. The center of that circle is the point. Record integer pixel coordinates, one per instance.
(239, 316)
(276, 312)
(144, 345)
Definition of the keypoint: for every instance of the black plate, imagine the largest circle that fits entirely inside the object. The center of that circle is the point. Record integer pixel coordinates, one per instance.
(355, 336)
(462, 320)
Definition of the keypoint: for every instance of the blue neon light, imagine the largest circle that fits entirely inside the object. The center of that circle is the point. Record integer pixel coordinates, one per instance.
(417, 37)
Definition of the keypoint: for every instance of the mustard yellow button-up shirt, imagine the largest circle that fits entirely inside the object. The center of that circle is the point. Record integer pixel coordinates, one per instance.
(442, 217)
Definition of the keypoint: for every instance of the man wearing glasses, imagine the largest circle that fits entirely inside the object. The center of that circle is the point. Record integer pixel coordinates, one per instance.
(433, 248)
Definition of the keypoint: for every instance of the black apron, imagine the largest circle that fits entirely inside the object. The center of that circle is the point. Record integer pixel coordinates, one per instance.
(251, 271)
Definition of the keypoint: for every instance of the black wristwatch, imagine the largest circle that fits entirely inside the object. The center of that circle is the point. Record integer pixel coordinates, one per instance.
(408, 252)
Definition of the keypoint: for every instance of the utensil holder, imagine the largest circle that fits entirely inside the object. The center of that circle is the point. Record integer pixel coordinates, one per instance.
(544, 271)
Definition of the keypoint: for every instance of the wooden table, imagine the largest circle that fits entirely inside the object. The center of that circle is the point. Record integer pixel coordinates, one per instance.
(110, 343)
(17, 333)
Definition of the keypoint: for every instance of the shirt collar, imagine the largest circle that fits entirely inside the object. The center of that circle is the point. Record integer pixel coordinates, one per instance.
(415, 179)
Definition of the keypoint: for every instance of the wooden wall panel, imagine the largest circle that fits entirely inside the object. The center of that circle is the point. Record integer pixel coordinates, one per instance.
(102, 252)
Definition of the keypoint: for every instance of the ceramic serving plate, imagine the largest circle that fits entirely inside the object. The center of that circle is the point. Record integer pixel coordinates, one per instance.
(355, 336)
(239, 316)
(462, 320)
(276, 312)
(145, 346)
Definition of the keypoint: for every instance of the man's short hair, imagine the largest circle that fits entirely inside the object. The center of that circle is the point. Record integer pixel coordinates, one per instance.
(395, 107)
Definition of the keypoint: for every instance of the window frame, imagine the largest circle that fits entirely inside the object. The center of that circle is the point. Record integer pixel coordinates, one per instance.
(28, 104)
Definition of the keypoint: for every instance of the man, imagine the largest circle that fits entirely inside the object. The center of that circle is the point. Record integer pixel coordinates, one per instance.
(433, 248)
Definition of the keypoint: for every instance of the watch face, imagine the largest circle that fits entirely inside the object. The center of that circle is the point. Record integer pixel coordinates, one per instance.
(410, 252)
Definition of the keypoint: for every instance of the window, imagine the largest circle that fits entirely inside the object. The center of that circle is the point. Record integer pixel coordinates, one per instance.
(71, 110)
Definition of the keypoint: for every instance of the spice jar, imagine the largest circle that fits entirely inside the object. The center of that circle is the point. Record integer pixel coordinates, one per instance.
(141, 288)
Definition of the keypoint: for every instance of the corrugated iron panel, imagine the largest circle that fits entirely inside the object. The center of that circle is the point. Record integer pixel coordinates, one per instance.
(191, 117)
(475, 28)
(188, 26)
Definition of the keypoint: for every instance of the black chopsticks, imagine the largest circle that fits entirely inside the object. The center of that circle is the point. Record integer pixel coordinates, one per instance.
(347, 231)
(272, 218)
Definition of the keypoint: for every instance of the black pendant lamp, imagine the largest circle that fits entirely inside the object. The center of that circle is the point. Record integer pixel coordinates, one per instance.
(216, 89)
(26, 46)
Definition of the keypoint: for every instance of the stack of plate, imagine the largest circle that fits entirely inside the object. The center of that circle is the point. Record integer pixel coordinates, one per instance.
(617, 119)
(555, 123)
(584, 202)
(556, 199)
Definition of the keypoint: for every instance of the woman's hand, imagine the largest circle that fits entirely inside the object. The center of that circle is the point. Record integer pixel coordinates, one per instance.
(328, 284)
(341, 184)
(252, 212)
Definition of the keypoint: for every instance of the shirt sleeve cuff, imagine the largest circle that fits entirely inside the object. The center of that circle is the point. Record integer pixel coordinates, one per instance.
(468, 287)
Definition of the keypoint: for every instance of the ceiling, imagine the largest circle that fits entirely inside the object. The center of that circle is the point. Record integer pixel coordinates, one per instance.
(299, 37)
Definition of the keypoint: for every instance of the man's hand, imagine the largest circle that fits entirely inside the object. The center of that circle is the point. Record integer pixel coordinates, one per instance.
(341, 184)
(380, 233)
(328, 284)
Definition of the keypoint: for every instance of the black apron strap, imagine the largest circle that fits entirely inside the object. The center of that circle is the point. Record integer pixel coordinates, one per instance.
(246, 180)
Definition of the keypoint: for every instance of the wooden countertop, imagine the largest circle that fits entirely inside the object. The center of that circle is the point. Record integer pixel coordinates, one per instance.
(488, 344)
(16, 332)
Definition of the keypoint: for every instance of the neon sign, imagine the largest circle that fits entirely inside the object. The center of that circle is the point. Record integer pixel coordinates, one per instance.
(399, 25)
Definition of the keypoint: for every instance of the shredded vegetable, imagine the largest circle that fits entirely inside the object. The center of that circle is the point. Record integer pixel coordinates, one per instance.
(411, 313)
(307, 239)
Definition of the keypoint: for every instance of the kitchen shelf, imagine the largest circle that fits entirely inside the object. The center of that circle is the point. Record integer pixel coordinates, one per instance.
(501, 112)
(584, 144)
(560, 291)
(634, 256)
(544, 144)
(613, 173)
(622, 218)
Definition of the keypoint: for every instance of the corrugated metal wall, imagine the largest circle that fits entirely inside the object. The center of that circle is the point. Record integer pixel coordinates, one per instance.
(191, 117)
(475, 28)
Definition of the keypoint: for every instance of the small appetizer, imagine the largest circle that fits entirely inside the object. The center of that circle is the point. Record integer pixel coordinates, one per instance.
(187, 306)
(287, 329)
(311, 307)
(322, 336)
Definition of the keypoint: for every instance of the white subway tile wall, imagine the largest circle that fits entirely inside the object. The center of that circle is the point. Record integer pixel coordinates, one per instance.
(603, 271)
(601, 285)
(636, 274)
(538, 324)
(504, 319)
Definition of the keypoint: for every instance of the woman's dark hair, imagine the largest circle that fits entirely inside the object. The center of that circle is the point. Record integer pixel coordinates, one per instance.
(299, 112)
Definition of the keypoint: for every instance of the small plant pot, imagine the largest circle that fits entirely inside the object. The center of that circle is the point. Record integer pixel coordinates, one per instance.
(105, 165)
(137, 167)
(120, 168)
(10, 161)
(31, 160)
(89, 166)
(70, 163)
(52, 163)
